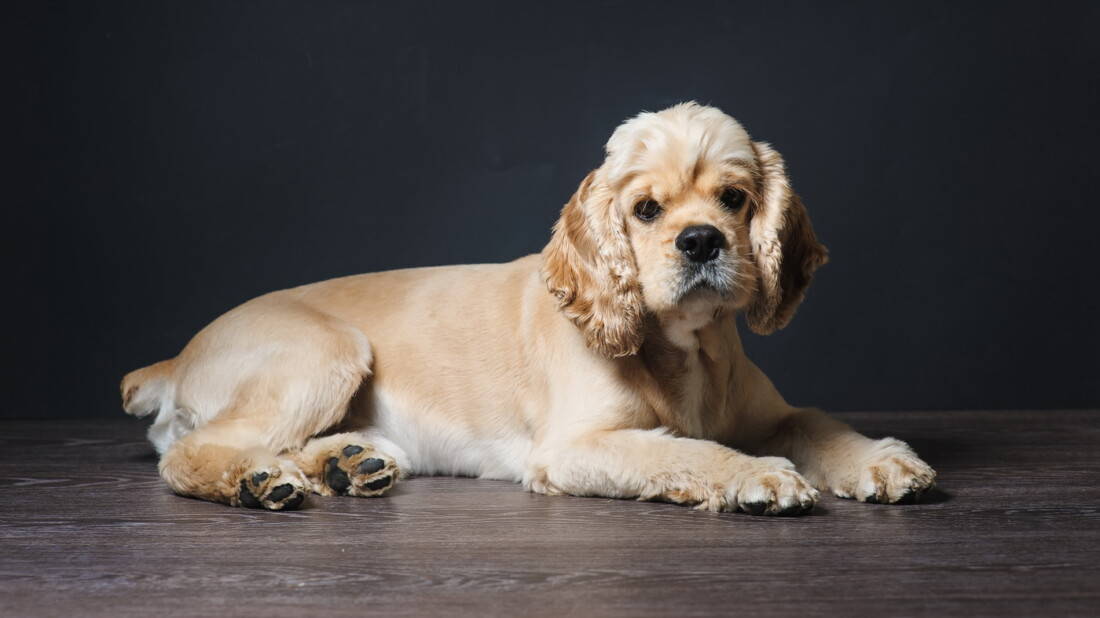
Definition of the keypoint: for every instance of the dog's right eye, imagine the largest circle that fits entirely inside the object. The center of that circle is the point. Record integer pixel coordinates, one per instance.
(733, 199)
(647, 210)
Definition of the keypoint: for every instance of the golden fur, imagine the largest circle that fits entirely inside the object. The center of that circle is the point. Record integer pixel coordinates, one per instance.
(606, 365)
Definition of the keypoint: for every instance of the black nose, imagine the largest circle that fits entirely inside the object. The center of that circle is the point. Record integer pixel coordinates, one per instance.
(700, 243)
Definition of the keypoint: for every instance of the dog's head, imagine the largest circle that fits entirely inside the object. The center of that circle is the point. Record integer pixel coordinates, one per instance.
(684, 207)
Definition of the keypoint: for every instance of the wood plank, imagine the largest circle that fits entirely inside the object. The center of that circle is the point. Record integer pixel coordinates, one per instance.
(89, 529)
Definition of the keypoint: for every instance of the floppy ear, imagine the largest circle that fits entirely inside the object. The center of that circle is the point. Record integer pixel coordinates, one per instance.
(589, 266)
(783, 243)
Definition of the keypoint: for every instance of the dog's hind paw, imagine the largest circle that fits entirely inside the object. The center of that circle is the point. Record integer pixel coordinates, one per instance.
(267, 487)
(359, 470)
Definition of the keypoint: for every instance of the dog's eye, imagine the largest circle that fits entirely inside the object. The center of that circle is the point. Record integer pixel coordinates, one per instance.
(733, 199)
(647, 210)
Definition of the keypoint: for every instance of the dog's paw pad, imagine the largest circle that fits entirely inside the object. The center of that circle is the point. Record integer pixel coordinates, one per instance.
(280, 492)
(370, 466)
(335, 477)
(265, 490)
(379, 484)
(294, 501)
(246, 497)
(359, 471)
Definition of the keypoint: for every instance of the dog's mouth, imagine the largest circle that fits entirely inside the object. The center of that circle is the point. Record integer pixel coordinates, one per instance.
(716, 276)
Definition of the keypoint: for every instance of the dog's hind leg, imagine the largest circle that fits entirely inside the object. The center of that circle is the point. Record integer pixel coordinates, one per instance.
(228, 461)
(258, 383)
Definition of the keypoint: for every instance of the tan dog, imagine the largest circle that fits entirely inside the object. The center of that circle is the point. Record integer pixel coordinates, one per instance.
(607, 365)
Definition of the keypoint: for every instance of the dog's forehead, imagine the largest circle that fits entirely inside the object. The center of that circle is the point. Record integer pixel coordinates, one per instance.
(678, 142)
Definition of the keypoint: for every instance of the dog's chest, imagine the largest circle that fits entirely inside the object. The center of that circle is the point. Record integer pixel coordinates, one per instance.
(693, 386)
(691, 377)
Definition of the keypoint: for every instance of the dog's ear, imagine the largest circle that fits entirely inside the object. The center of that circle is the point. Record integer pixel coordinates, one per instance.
(589, 266)
(783, 244)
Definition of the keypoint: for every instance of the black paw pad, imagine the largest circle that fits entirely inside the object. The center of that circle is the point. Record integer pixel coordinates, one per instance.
(259, 478)
(280, 492)
(295, 501)
(246, 497)
(352, 449)
(377, 484)
(370, 466)
(336, 478)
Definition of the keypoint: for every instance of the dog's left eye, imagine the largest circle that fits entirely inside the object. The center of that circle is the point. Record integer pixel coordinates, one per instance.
(733, 199)
(647, 210)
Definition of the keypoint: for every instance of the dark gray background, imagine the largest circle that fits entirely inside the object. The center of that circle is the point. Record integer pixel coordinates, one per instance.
(182, 158)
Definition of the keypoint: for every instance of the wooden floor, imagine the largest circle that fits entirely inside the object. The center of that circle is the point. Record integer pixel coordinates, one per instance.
(87, 528)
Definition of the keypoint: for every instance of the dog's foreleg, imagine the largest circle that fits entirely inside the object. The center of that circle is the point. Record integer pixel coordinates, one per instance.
(654, 465)
(835, 457)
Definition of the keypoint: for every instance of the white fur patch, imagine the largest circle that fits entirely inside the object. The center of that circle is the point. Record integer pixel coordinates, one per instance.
(436, 444)
(172, 424)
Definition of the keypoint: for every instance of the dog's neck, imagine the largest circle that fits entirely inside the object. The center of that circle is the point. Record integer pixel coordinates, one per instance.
(681, 326)
(685, 351)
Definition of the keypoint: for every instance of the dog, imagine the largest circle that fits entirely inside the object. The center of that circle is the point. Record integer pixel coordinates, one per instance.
(607, 365)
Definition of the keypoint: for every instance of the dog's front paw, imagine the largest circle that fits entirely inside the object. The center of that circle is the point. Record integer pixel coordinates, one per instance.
(889, 474)
(770, 486)
(270, 487)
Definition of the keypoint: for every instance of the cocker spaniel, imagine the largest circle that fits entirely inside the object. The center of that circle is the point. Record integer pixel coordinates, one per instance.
(607, 365)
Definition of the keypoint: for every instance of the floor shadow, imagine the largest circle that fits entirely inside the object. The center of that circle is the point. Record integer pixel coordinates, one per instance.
(934, 496)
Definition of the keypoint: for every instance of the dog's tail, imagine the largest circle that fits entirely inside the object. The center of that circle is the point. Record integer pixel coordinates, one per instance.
(144, 390)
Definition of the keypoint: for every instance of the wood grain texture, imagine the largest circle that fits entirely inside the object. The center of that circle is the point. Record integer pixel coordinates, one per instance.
(88, 529)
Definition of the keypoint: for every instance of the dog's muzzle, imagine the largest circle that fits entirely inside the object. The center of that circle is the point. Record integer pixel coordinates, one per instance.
(715, 274)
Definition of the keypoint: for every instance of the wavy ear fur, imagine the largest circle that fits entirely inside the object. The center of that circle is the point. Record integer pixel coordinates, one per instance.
(589, 266)
(784, 246)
